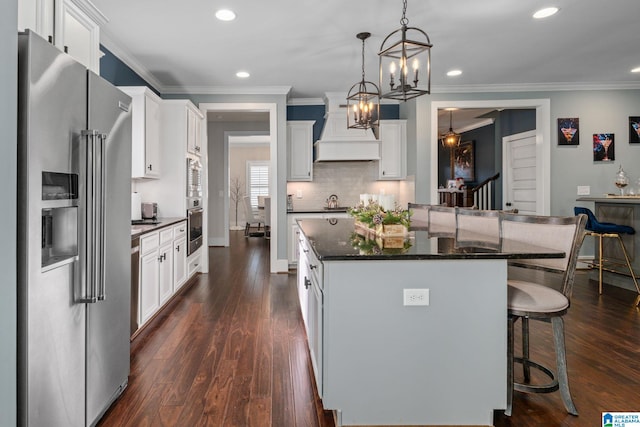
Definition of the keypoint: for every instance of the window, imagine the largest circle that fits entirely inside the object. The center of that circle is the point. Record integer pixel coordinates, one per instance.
(257, 180)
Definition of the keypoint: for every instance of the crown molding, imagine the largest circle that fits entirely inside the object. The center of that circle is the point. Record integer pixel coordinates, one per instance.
(130, 61)
(227, 90)
(92, 11)
(476, 125)
(305, 101)
(537, 87)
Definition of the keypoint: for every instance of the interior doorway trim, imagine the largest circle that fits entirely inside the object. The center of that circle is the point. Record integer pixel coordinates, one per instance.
(543, 141)
(272, 109)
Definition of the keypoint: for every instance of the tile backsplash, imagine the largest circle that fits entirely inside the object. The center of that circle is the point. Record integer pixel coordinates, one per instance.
(347, 180)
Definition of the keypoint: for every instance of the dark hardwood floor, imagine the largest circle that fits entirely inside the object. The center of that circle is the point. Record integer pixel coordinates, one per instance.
(230, 350)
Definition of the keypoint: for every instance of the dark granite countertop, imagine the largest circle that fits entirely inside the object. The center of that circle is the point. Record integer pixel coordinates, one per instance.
(318, 210)
(139, 229)
(337, 240)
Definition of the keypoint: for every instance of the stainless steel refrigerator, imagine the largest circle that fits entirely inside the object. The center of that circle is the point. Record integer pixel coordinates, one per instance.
(74, 204)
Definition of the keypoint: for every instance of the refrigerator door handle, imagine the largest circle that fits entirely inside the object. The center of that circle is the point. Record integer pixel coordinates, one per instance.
(95, 229)
(102, 138)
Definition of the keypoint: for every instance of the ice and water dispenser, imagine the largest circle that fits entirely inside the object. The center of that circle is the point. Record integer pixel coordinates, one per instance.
(59, 219)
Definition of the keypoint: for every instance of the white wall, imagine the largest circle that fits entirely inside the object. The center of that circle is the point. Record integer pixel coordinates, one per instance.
(8, 170)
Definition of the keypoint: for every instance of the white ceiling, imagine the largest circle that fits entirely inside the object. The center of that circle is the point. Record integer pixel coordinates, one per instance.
(305, 49)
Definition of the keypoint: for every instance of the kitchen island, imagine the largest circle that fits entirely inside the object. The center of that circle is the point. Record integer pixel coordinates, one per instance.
(433, 355)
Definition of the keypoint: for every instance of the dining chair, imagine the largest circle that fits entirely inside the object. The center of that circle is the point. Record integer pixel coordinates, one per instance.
(531, 300)
(478, 228)
(251, 219)
(603, 230)
(442, 221)
(419, 219)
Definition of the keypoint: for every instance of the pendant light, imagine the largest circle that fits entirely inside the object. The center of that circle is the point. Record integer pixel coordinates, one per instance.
(405, 47)
(450, 139)
(363, 100)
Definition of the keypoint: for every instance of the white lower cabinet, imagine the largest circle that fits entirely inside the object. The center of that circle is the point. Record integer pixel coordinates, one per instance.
(149, 299)
(163, 268)
(165, 257)
(310, 277)
(179, 256)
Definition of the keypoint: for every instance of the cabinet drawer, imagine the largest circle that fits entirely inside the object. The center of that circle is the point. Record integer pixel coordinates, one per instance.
(193, 264)
(149, 242)
(166, 236)
(180, 230)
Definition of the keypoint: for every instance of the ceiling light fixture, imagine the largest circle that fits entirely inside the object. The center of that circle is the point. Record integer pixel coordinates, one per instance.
(242, 74)
(450, 139)
(454, 73)
(395, 55)
(225, 15)
(636, 70)
(546, 12)
(363, 100)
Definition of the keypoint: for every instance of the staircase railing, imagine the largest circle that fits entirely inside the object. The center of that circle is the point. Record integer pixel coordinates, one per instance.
(483, 193)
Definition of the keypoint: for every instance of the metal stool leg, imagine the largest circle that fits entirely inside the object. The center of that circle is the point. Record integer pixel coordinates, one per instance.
(561, 361)
(600, 262)
(510, 325)
(525, 350)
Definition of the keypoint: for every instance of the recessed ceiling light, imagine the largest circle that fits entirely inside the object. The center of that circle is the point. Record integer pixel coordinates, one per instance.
(242, 74)
(636, 70)
(454, 73)
(546, 12)
(225, 15)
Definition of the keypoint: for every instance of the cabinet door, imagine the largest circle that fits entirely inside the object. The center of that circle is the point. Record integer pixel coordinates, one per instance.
(152, 137)
(193, 131)
(315, 332)
(393, 147)
(300, 150)
(148, 294)
(294, 231)
(179, 263)
(165, 272)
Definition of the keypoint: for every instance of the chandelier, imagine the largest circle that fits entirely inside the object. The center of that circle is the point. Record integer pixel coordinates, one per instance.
(450, 139)
(406, 46)
(363, 100)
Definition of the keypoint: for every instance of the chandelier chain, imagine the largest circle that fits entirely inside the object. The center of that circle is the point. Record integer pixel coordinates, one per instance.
(363, 59)
(404, 21)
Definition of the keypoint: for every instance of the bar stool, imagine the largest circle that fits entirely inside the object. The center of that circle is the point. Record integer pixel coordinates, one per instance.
(607, 229)
(539, 300)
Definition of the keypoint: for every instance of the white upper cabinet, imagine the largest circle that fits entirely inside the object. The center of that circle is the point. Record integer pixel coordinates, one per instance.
(393, 149)
(300, 150)
(145, 136)
(194, 126)
(71, 25)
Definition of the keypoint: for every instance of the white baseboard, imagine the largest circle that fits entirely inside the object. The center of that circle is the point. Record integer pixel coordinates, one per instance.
(280, 266)
(584, 262)
(215, 241)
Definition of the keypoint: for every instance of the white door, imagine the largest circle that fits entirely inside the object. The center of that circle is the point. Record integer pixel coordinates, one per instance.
(520, 186)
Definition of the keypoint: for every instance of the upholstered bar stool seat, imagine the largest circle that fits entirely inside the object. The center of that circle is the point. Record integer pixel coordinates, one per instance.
(526, 297)
(603, 230)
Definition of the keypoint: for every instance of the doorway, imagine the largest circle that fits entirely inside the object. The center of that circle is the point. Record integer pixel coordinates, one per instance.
(217, 176)
(542, 143)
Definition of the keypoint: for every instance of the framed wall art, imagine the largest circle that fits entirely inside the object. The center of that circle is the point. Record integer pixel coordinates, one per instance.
(603, 147)
(634, 130)
(569, 131)
(464, 161)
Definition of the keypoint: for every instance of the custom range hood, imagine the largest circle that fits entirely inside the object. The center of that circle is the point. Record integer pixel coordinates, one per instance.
(337, 142)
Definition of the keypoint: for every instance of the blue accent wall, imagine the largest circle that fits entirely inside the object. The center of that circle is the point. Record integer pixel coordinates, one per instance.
(488, 145)
(118, 73)
(316, 112)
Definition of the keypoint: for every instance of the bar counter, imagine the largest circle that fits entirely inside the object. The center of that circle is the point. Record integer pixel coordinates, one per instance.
(409, 335)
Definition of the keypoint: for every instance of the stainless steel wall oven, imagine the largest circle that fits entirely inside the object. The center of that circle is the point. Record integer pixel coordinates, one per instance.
(194, 225)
